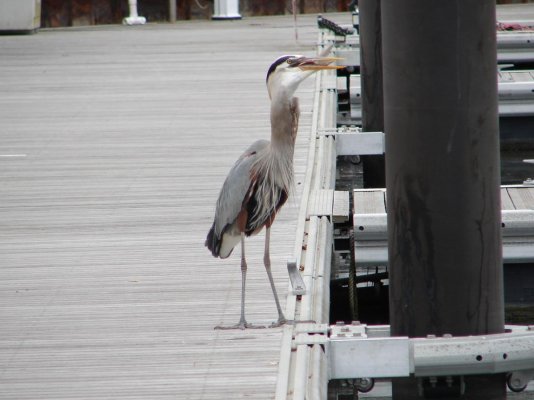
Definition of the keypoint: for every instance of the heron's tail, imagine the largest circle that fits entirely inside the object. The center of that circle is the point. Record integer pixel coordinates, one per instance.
(213, 242)
(221, 246)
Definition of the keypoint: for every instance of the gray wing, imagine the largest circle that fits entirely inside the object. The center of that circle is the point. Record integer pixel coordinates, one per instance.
(232, 195)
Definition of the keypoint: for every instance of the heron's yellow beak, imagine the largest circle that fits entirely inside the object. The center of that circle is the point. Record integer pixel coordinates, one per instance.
(318, 63)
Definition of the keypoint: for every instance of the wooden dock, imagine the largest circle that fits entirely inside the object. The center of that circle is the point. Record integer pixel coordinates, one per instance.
(114, 142)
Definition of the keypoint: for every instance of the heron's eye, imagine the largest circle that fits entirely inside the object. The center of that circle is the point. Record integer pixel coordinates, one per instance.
(293, 62)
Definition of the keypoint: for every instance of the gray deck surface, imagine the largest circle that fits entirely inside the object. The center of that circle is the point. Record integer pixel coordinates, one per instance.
(114, 142)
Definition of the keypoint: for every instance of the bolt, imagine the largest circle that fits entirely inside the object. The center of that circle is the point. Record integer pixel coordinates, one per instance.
(433, 381)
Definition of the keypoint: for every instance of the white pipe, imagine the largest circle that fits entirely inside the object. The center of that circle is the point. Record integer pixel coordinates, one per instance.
(134, 18)
(321, 300)
(309, 271)
(318, 382)
(301, 373)
(172, 11)
(226, 9)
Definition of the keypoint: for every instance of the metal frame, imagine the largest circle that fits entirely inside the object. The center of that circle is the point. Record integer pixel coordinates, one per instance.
(302, 371)
(370, 235)
(516, 96)
(515, 47)
(314, 352)
(512, 47)
(380, 356)
(352, 141)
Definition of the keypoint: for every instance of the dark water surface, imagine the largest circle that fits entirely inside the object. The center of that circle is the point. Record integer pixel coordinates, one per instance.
(513, 170)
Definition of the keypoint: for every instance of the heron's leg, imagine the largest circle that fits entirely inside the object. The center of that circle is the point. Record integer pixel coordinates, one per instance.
(242, 321)
(242, 324)
(267, 261)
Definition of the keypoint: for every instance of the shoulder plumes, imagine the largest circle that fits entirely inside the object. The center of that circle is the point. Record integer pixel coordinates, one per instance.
(273, 183)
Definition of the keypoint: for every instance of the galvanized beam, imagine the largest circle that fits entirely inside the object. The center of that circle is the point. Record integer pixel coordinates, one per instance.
(353, 141)
(366, 351)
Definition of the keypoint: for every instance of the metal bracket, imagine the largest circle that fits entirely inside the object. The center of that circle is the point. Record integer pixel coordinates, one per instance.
(432, 387)
(362, 351)
(297, 283)
(381, 357)
(310, 334)
(352, 141)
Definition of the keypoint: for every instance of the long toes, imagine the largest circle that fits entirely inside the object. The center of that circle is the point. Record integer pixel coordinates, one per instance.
(240, 325)
(280, 322)
(228, 327)
(252, 326)
(293, 322)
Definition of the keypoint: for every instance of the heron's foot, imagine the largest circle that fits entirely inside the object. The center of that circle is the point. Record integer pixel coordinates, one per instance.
(281, 321)
(240, 325)
(293, 322)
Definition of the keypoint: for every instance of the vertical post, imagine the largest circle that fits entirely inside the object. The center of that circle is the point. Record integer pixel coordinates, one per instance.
(172, 11)
(226, 9)
(133, 18)
(443, 176)
(372, 87)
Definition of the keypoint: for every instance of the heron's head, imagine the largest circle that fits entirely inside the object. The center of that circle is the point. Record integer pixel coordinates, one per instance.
(287, 72)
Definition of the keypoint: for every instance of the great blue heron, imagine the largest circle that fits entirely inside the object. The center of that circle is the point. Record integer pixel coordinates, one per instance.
(260, 181)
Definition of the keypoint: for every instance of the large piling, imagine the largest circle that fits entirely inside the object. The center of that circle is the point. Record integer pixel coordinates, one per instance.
(372, 87)
(443, 178)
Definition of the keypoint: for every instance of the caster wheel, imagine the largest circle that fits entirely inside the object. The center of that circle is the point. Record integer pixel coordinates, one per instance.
(364, 385)
(515, 383)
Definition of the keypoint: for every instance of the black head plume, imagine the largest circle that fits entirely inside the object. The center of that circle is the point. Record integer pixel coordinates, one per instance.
(276, 64)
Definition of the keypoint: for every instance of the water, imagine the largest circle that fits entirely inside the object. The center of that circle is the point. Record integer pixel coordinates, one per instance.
(513, 170)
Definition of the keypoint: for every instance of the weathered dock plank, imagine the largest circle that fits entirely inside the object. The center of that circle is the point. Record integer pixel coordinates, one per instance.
(114, 142)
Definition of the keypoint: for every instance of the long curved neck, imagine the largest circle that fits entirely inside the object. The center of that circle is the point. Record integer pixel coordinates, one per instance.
(284, 122)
